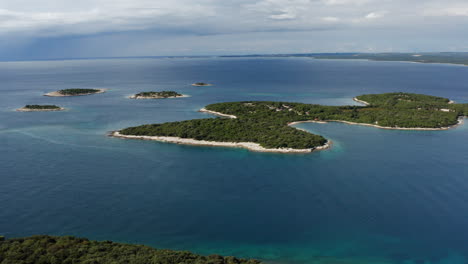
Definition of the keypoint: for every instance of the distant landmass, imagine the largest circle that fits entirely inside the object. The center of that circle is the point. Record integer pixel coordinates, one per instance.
(424, 57)
(460, 58)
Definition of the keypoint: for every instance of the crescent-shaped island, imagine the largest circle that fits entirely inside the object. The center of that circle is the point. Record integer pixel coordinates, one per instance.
(266, 126)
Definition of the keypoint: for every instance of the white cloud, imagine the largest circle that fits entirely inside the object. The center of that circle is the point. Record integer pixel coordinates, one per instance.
(374, 15)
(330, 19)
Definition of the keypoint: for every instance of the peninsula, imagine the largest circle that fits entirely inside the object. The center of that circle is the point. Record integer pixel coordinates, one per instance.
(157, 95)
(266, 126)
(75, 92)
(201, 84)
(68, 249)
(40, 108)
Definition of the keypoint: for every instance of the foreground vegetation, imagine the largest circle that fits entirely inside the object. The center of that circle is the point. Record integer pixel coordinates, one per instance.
(266, 122)
(71, 250)
(78, 91)
(162, 94)
(42, 107)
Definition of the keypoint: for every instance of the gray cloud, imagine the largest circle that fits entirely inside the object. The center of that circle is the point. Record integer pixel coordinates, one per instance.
(28, 21)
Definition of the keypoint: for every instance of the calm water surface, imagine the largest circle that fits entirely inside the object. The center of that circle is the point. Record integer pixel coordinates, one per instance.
(378, 196)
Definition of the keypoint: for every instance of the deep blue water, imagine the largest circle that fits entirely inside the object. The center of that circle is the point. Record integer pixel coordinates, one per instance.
(378, 196)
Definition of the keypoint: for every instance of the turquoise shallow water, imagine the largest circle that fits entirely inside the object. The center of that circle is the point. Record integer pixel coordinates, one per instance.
(378, 196)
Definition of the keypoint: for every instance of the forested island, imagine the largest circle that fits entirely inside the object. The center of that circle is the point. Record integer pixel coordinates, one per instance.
(39, 108)
(75, 92)
(201, 84)
(266, 125)
(67, 249)
(157, 95)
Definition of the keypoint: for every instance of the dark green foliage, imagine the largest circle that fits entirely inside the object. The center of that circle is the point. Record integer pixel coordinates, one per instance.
(162, 94)
(78, 91)
(266, 122)
(71, 250)
(42, 107)
(404, 100)
(268, 134)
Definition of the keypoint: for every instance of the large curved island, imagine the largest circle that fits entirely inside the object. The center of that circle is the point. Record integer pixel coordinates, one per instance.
(266, 126)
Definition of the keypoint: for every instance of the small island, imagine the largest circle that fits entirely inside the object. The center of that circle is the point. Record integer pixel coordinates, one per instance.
(75, 92)
(40, 108)
(69, 249)
(201, 84)
(157, 95)
(267, 126)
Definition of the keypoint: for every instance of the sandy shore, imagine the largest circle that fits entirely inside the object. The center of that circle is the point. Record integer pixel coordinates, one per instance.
(360, 101)
(39, 110)
(247, 145)
(157, 97)
(57, 94)
(460, 121)
(204, 110)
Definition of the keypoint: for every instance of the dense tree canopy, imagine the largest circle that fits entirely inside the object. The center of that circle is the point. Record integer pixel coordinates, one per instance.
(78, 91)
(162, 94)
(266, 122)
(71, 250)
(42, 107)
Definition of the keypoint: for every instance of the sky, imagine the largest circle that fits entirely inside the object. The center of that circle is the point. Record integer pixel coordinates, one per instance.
(45, 29)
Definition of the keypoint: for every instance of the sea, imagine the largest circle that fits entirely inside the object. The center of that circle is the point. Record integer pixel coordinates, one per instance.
(376, 197)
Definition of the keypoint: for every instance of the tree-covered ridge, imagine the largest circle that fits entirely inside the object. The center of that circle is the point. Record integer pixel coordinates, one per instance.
(268, 134)
(162, 94)
(407, 100)
(42, 107)
(78, 91)
(266, 122)
(71, 250)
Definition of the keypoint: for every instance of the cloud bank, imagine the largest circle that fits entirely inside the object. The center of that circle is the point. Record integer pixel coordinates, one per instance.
(182, 27)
